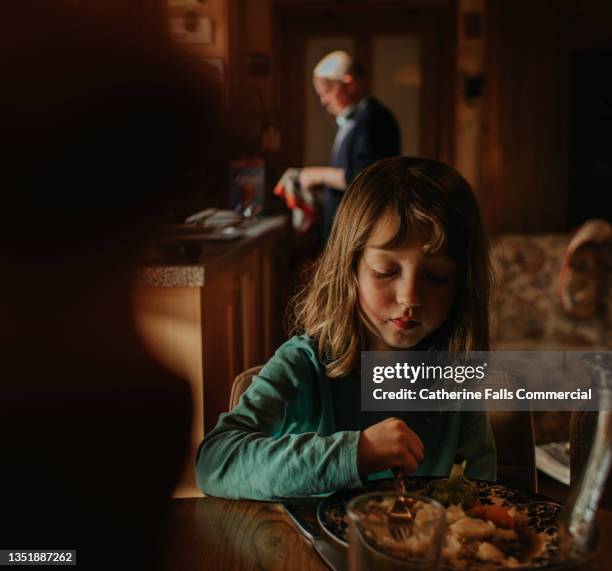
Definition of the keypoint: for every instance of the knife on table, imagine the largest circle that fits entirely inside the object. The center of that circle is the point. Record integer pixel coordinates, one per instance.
(303, 514)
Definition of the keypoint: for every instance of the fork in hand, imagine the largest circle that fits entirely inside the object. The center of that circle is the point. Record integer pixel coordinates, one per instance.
(400, 516)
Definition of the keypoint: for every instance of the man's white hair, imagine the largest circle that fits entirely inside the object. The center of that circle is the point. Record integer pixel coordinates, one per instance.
(334, 65)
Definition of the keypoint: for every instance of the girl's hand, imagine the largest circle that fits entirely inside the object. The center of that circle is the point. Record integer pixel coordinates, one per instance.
(389, 444)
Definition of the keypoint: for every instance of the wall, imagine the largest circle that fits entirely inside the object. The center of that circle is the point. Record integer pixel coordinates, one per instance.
(468, 94)
(141, 18)
(525, 131)
(258, 39)
(525, 141)
(512, 141)
(511, 144)
(256, 101)
(216, 51)
(241, 27)
(260, 96)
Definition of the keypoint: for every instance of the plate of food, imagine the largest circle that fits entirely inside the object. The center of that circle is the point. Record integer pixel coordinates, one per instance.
(488, 525)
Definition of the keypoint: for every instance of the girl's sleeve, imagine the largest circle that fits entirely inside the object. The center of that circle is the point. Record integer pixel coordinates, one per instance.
(267, 447)
(477, 446)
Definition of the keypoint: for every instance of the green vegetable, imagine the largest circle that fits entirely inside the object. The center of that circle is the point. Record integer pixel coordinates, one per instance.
(456, 489)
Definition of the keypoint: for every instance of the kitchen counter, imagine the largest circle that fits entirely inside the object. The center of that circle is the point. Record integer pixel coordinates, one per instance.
(209, 310)
(214, 256)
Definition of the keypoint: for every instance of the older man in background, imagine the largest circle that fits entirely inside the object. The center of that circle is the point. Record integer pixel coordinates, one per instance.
(367, 130)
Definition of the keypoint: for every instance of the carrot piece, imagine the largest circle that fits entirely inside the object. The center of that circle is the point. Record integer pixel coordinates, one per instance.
(499, 515)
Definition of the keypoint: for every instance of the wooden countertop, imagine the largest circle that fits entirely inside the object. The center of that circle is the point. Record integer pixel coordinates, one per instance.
(193, 269)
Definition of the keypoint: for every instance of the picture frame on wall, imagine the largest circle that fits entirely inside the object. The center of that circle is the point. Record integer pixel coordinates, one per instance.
(192, 28)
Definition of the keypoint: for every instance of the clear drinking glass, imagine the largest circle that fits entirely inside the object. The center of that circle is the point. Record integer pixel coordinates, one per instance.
(378, 542)
(577, 521)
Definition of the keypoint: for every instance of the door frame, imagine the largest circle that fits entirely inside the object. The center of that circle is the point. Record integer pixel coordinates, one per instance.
(432, 20)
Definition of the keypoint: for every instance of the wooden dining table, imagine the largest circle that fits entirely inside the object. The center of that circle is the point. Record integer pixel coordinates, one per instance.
(217, 534)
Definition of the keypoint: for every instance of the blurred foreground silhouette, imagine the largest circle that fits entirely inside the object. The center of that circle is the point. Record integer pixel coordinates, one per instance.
(99, 137)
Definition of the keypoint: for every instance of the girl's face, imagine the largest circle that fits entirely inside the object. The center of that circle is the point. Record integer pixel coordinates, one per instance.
(404, 294)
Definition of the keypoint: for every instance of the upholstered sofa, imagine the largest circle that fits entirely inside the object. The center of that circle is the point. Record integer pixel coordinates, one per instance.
(526, 313)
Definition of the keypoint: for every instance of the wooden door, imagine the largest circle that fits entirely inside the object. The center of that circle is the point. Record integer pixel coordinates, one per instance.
(362, 25)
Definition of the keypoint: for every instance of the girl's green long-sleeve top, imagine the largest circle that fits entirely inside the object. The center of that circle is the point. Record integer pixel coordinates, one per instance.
(295, 432)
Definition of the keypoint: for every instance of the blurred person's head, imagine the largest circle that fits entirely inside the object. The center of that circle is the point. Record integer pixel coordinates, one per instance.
(101, 131)
(101, 135)
(338, 81)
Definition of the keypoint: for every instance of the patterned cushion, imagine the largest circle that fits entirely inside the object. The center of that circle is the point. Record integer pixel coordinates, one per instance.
(526, 312)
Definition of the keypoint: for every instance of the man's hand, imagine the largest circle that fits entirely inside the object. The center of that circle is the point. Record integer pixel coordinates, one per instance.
(314, 177)
(389, 444)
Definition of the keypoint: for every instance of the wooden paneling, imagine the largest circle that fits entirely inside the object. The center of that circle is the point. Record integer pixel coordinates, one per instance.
(526, 132)
(525, 141)
(468, 95)
(242, 322)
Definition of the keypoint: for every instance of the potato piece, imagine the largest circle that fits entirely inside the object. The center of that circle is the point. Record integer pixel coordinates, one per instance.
(418, 544)
(453, 514)
(488, 552)
(470, 528)
(425, 513)
(452, 547)
(506, 534)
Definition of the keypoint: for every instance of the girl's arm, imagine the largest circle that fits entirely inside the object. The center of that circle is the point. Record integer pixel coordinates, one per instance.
(477, 446)
(269, 446)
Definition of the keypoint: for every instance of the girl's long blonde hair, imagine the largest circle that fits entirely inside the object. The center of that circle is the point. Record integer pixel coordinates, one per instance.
(416, 191)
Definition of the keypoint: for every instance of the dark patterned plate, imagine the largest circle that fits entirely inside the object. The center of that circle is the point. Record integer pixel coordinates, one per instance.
(541, 513)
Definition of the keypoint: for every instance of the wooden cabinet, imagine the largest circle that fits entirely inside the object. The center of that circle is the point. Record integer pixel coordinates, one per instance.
(241, 314)
(209, 321)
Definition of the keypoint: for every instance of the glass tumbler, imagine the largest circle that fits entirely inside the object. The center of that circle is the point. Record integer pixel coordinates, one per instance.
(379, 542)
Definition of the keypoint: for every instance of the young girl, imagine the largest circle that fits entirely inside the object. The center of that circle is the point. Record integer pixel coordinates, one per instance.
(406, 267)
